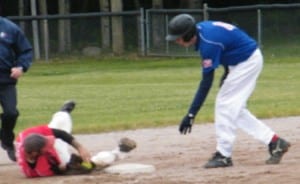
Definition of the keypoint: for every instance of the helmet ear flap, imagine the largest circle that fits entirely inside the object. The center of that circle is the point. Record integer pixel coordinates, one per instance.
(189, 35)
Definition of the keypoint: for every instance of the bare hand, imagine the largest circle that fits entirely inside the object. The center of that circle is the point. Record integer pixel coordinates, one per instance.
(83, 152)
(16, 72)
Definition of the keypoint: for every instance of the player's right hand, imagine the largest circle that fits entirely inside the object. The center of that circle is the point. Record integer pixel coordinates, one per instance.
(186, 124)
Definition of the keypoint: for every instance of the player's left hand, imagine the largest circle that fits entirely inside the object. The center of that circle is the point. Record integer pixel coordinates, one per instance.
(186, 124)
(16, 72)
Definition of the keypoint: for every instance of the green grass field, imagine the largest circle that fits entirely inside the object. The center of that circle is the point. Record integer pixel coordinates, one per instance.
(118, 94)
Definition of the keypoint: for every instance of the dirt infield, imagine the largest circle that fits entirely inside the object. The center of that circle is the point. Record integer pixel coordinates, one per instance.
(179, 159)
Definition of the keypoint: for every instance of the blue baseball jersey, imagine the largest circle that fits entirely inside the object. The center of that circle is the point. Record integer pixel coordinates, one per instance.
(15, 50)
(222, 43)
(219, 43)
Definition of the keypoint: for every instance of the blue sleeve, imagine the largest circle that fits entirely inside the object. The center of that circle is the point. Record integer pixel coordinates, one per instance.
(23, 50)
(203, 89)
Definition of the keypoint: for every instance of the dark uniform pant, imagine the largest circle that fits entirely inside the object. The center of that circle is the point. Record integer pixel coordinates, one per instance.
(8, 101)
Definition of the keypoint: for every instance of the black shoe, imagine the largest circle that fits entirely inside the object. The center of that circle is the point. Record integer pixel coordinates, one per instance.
(11, 152)
(277, 149)
(218, 160)
(68, 106)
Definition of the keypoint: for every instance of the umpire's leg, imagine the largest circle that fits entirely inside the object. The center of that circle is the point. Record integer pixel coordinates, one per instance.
(8, 100)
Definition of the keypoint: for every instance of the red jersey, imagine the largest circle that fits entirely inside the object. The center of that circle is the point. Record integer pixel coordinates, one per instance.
(48, 158)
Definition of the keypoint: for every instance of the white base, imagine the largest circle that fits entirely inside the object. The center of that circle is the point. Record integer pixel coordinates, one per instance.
(130, 168)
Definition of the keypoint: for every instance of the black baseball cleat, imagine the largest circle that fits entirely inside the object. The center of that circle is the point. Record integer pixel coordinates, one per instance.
(11, 153)
(218, 160)
(277, 149)
(68, 106)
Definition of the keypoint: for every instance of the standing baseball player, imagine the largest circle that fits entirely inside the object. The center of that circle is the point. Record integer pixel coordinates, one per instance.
(220, 43)
(44, 150)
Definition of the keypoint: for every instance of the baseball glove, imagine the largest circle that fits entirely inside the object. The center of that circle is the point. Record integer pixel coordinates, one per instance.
(77, 166)
(126, 144)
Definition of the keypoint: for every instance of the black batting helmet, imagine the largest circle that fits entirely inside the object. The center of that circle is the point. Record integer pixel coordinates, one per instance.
(182, 25)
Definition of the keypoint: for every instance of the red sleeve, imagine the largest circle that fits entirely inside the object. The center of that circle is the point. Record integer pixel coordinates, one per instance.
(43, 167)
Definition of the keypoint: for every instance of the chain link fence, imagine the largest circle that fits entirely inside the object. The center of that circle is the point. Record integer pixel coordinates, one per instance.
(276, 28)
(90, 34)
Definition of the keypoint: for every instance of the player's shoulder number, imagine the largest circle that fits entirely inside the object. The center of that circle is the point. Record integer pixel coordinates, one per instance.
(227, 26)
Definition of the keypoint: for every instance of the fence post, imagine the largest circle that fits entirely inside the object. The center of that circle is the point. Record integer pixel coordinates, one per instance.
(35, 31)
(259, 27)
(21, 13)
(147, 31)
(142, 29)
(205, 12)
(166, 28)
(45, 28)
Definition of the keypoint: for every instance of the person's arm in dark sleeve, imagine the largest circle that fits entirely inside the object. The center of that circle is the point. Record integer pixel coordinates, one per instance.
(63, 135)
(23, 50)
(83, 152)
(224, 76)
(203, 89)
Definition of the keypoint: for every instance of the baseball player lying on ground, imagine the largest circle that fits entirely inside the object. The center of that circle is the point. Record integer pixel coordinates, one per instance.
(45, 150)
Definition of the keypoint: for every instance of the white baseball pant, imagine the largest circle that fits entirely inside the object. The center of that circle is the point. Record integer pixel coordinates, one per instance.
(231, 105)
(63, 121)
